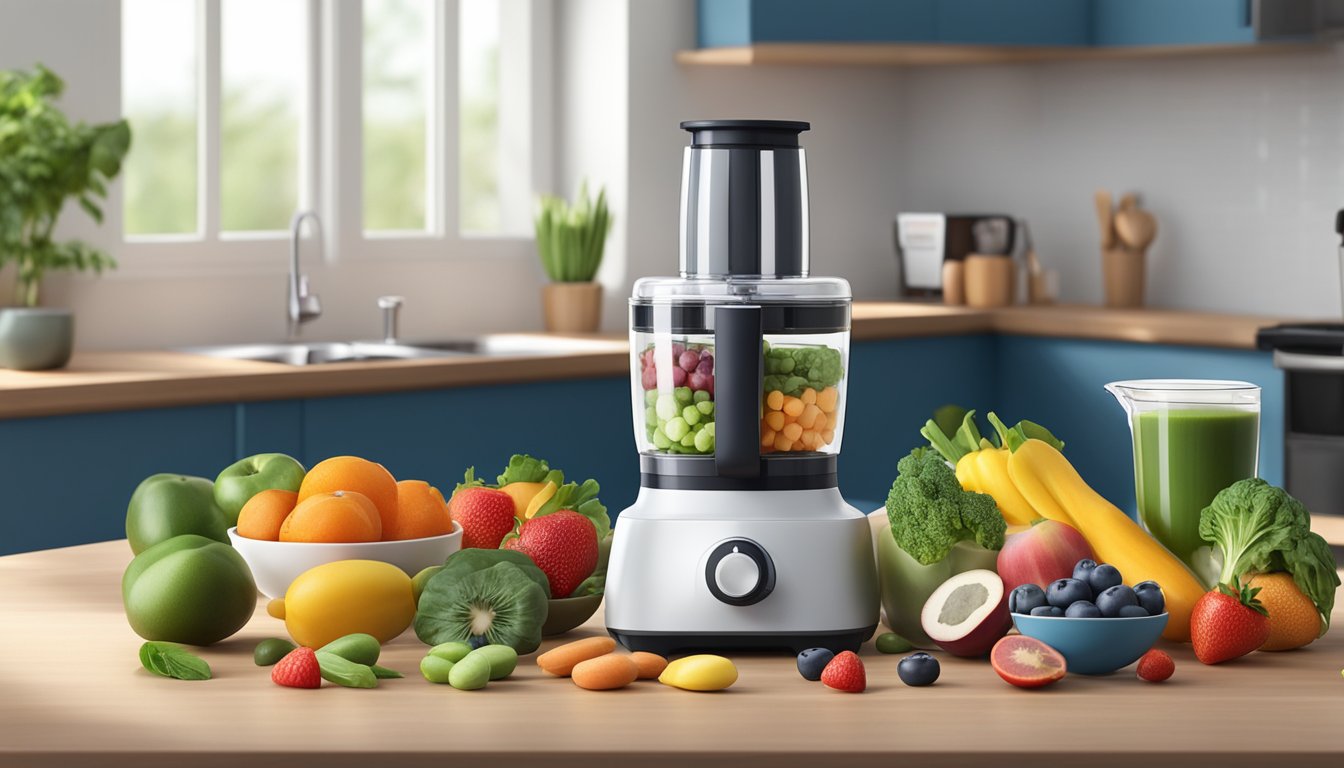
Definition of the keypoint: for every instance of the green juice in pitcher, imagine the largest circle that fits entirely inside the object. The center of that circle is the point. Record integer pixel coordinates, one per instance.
(1182, 458)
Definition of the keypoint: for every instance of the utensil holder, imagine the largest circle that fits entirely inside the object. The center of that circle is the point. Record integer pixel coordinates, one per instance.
(1122, 275)
(989, 281)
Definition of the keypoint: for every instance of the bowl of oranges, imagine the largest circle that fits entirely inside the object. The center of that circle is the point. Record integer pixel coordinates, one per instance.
(346, 508)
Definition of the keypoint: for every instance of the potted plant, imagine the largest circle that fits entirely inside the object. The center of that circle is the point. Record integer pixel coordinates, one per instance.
(45, 161)
(571, 239)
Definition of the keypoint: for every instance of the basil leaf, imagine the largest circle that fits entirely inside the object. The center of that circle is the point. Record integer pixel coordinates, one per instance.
(168, 660)
(383, 673)
(341, 671)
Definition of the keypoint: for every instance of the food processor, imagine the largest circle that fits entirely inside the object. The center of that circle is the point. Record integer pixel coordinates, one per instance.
(739, 537)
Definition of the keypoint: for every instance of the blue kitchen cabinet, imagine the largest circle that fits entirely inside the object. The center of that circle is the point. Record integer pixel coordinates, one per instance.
(1163, 22)
(66, 479)
(1071, 23)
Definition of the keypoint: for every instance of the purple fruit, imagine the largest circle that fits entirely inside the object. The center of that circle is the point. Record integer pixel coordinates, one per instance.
(678, 377)
(699, 381)
(688, 360)
(677, 349)
(706, 364)
(649, 378)
(1112, 600)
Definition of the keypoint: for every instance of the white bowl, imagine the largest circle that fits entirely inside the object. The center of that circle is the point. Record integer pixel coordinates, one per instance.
(275, 564)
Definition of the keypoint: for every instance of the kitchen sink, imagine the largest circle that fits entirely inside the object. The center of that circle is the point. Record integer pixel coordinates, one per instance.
(323, 352)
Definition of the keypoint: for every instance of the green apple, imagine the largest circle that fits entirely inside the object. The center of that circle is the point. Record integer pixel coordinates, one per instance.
(166, 505)
(188, 589)
(245, 478)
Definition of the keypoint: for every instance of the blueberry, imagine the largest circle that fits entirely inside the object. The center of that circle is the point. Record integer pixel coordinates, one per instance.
(812, 661)
(1103, 577)
(476, 641)
(1047, 610)
(1150, 597)
(1025, 597)
(1065, 592)
(918, 669)
(1083, 609)
(1082, 568)
(1112, 600)
(1132, 612)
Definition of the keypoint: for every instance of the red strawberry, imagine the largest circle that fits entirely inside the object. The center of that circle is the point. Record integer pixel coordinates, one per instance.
(563, 544)
(845, 673)
(1156, 666)
(486, 515)
(298, 669)
(1227, 623)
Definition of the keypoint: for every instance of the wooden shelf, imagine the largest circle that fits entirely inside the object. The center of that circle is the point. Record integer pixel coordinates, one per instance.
(936, 54)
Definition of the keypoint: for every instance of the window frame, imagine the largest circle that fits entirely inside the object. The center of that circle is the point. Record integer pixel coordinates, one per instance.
(331, 153)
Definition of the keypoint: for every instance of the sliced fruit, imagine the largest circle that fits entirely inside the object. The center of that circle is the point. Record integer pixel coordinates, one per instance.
(967, 613)
(539, 500)
(1027, 662)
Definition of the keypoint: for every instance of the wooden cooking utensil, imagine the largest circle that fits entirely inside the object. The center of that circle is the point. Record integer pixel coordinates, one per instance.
(1105, 218)
(1136, 228)
(1129, 201)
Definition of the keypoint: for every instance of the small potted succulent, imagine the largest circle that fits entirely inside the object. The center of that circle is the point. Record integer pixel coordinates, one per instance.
(46, 161)
(570, 240)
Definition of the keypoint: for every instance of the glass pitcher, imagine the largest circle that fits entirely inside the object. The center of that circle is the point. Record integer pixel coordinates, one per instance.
(1192, 438)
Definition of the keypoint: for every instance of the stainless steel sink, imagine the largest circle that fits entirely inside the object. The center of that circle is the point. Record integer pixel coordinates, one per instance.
(322, 352)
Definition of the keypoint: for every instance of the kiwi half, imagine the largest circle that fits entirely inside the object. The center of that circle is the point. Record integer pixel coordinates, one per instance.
(502, 604)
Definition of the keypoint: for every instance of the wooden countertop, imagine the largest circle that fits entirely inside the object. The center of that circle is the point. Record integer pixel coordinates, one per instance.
(105, 381)
(75, 695)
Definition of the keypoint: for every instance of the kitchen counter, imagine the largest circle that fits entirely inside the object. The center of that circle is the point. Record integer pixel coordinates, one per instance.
(75, 695)
(106, 381)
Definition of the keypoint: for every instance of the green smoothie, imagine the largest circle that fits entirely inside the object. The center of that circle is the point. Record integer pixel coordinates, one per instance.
(1182, 459)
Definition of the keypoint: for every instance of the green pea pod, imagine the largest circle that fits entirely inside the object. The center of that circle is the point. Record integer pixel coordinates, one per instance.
(436, 669)
(383, 673)
(271, 650)
(359, 648)
(342, 671)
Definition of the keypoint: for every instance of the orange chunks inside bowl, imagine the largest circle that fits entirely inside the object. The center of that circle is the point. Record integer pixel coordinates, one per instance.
(347, 499)
(803, 423)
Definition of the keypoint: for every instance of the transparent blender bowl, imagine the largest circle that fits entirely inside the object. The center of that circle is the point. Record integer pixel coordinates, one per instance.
(802, 392)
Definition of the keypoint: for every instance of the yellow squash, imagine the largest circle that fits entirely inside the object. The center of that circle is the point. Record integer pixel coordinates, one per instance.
(522, 495)
(1053, 487)
(344, 597)
(986, 471)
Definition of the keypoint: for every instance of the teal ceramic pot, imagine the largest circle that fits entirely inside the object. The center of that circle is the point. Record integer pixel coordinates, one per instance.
(36, 339)
(1094, 646)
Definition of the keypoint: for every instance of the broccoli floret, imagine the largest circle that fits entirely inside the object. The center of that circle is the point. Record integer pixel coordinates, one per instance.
(929, 512)
(792, 369)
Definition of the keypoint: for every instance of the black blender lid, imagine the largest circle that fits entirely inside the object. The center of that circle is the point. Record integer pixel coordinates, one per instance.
(744, 134)
(1318, 338)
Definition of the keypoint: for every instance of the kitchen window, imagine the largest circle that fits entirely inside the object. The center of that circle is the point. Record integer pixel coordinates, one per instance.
(416, 128)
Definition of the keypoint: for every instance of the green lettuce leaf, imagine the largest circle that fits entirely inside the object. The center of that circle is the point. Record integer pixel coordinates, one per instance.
(526, 469)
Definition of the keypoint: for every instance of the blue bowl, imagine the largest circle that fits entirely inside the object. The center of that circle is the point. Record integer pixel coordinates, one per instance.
(1094, 646)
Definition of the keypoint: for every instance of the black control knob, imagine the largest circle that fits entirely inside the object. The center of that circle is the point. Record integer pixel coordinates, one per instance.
(739, 572)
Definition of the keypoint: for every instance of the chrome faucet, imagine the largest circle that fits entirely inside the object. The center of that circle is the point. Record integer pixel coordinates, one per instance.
(304, 305)
(391, 306)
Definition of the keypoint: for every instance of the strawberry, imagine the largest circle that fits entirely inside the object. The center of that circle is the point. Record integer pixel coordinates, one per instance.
(563, 544)
(1156, 666)
(298, 669)
(1227, 623)
(845, 673)
(486, 515)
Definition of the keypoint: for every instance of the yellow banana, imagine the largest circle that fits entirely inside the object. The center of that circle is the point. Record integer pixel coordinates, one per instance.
(1054, 488)
(991, 472)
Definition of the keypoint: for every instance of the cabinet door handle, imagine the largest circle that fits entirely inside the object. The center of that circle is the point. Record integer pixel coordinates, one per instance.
(1296, 361)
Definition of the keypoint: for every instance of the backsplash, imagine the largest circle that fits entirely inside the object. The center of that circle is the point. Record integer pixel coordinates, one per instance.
(1240, 157)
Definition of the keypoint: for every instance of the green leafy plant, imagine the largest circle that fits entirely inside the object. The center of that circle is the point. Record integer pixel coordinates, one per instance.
(169, 660)
(45, 160)
(571, 238)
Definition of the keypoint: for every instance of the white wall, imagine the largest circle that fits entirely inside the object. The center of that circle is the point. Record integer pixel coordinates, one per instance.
(1240, 157)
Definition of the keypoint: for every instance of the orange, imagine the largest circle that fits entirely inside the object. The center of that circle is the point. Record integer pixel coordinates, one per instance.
(421, 511)
(351, 473)
(343, 516)
(264, 513)
(1293, 618)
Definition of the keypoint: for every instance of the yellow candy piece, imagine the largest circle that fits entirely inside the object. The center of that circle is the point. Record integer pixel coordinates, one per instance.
(704, 672)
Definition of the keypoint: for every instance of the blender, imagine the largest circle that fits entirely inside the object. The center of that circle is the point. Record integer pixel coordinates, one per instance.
(739, 538)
